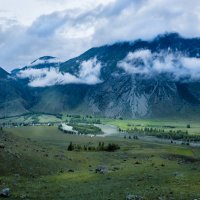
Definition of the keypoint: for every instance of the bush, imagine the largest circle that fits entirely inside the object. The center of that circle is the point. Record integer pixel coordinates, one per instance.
(91, 148)
(112, 147)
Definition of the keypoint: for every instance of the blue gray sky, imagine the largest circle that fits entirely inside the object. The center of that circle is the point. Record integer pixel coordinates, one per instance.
(63, 28)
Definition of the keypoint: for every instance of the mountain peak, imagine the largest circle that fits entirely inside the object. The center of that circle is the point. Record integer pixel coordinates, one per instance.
(3, 73)
(44, 60)
(172, 35)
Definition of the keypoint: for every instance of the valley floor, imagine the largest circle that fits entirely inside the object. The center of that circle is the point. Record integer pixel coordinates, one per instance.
(35, 164)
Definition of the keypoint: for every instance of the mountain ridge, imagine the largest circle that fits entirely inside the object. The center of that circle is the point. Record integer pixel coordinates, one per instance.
(129, 79)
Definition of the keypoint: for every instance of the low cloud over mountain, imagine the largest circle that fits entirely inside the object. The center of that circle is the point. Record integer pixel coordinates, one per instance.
(89, 73)
(127, 79)
(149, 64)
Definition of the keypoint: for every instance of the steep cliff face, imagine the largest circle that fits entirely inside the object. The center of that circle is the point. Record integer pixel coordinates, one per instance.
(135, 98)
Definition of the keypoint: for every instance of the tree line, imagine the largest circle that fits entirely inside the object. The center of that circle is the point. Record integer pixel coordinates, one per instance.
(111, 147)
(161, 133)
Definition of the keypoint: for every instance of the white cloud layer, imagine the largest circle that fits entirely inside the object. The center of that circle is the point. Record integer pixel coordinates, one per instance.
(65, 28)
(148, 64)
(89, 73)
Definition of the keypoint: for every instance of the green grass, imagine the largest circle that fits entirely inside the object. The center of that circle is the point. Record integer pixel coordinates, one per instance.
(179, 124)
(40, 156)
(156, 123)
(29, 118)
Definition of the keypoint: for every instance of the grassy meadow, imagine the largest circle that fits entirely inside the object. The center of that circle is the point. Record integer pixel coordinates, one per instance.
(35, 164)
(166, 124)
(177, 124)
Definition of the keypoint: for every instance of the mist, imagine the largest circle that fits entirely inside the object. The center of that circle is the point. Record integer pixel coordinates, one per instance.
(148, 64)
(89, 73)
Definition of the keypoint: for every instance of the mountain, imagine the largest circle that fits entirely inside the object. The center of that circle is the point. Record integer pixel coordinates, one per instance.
(45, 60)
(3, 74)
(13, 96)
(157, 78)
(40, 63)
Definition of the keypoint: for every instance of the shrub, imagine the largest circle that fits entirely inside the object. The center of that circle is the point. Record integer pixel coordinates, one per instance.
(112, 147)
(91, 148)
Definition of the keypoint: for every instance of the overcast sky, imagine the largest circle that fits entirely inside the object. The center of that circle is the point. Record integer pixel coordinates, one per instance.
(65, 28)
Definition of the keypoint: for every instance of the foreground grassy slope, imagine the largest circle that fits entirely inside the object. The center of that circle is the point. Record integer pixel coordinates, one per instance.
(35, 164)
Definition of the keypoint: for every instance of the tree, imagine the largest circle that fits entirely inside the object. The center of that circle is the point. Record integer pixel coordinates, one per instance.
(70, 147)
(101, 146)
(188, 126)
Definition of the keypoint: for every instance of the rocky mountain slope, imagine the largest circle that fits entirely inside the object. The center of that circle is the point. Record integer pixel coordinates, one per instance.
(13, 96)
(157, 78)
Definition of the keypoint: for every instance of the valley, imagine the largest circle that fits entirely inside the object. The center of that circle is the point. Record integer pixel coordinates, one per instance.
(116, 122)
(100, 100)
(190, 125)
(36, 163)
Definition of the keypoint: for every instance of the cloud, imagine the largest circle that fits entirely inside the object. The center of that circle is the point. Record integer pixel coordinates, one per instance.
(178, 66)
(28, 11)
(89, 73)
(66, 28)
(137, 62)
